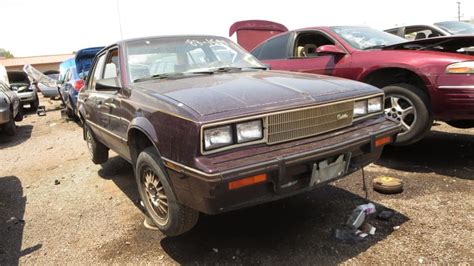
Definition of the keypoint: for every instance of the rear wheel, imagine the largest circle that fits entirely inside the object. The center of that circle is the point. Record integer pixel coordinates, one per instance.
(98, 152)
(408, 105)
(158, 197)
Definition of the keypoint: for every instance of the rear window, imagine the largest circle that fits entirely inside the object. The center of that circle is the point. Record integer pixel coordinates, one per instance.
(275, 48)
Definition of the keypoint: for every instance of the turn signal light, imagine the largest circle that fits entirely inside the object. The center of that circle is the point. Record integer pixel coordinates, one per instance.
(247, 181)
(382, 141)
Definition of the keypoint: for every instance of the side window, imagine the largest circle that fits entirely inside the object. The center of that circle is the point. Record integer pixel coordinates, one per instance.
(307, 43)
(275, 48)
(256, 52)
(97, 74)
(112, 65)
(418, 33)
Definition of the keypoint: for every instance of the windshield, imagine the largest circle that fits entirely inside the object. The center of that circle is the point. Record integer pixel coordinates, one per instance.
(456, 27)
(365, 38)
(181, 55)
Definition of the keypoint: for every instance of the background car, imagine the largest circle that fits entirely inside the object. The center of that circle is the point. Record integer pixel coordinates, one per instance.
(47, 91)
(10, 109)
(72, 74)
(423, 79)
(22, 85)
(422, 31)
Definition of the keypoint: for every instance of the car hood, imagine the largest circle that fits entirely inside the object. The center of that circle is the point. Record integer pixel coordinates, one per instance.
(452, 44)
(254, 91)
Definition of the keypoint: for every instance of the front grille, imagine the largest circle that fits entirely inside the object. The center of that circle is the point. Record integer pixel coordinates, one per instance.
(308, 122)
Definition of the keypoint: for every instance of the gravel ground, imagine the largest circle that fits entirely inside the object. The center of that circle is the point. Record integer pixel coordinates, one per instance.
(67, 210)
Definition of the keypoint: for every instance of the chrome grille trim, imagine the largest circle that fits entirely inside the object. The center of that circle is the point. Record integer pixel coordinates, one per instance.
(265, 119)
(308, 122)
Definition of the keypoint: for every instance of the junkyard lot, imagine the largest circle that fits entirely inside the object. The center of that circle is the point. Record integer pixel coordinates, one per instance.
(91, 213)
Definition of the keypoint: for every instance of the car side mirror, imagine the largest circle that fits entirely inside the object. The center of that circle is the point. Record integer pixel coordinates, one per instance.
(109, 84)
(330, 49)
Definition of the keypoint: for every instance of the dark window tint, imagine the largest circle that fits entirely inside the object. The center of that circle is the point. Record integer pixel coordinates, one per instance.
(256, 52)
(276, 48)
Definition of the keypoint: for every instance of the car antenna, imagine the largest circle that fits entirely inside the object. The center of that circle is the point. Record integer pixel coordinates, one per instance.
(119, 20)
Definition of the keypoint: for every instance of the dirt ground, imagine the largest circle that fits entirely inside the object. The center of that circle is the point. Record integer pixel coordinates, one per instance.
(57, 207)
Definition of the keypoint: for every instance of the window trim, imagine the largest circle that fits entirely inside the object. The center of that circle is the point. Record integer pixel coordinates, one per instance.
(295, 38)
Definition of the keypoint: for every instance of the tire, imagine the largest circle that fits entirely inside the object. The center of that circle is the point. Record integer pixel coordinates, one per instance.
(417, 122)
(19, 115)
(70, 113)
(98, 152)
(156, 192)
(34, 104)
(10, 127)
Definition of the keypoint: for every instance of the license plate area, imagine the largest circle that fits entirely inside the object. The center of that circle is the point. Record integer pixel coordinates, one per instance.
(330, 168)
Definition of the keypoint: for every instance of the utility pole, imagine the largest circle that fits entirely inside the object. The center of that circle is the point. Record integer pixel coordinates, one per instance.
(459, 10)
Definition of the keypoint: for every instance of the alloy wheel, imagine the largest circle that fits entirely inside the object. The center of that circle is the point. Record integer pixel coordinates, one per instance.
(401, 109)
(156, 194)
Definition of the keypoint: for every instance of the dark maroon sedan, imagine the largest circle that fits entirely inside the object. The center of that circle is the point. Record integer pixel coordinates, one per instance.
(423, 80)
(209, 129)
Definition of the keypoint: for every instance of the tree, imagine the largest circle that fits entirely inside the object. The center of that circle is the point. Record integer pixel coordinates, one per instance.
(5, 53)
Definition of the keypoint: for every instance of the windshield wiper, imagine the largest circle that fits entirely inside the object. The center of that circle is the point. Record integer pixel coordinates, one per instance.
(159, 76)
(225, 69)
(379, 46)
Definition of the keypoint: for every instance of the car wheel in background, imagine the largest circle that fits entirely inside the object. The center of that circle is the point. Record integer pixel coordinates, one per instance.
(408, 105)
(19, 115)
(158, 197)
(34, 104)
(98, 152)
(10, 127)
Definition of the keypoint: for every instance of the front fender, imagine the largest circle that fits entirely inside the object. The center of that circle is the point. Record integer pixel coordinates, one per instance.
(145, 126)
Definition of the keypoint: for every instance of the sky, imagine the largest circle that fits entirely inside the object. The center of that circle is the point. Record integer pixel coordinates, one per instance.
(42, 27)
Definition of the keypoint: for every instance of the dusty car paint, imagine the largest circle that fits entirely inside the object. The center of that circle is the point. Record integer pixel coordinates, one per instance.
(172, 112)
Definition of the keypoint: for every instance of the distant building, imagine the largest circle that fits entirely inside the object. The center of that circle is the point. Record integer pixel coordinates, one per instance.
(42, 63)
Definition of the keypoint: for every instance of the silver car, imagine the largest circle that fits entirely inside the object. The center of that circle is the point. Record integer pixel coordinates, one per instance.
(49, 91)
(21, 84)
(10, 109)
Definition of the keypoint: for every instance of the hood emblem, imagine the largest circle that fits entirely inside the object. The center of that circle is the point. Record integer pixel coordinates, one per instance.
(342, 116)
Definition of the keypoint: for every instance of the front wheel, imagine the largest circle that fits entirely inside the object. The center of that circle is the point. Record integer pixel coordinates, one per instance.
(158, 197)
(408, 105)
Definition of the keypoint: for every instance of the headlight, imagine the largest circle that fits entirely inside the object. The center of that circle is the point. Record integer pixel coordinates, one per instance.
(217, 137)
(249, 131)
(375, 105)
(466, 67)
(360, 108)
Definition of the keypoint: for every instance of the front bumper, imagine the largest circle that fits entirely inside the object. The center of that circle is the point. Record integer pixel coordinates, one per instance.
(27, 97)
(288, 167)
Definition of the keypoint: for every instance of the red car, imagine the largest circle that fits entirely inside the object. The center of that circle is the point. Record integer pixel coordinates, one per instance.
(423, 80)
